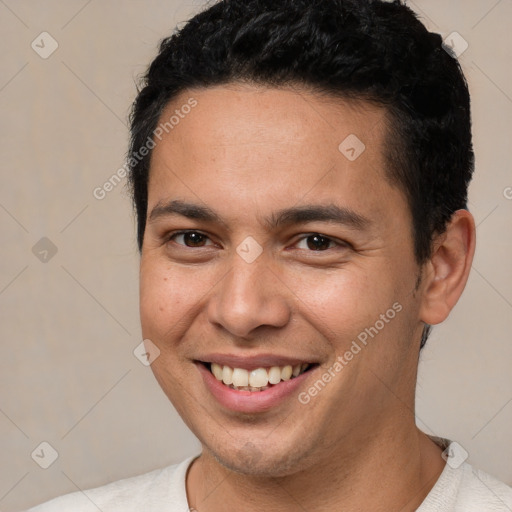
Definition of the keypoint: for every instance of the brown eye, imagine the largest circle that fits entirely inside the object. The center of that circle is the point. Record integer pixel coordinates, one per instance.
(190, 239)
(317, 242)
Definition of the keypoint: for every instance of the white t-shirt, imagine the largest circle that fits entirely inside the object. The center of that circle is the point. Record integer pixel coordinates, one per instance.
(461, 489)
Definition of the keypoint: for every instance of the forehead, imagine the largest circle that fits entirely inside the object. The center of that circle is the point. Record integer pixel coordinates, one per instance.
(266, 146)
(238, 114)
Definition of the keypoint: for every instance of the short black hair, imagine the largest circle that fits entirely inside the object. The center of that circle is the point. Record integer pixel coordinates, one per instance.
(353, 49)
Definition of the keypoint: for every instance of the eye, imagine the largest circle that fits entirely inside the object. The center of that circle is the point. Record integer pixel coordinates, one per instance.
(317, 242)
(190, 238)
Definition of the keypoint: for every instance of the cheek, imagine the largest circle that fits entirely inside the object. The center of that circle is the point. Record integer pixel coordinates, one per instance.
(344, 301)
(167, 297)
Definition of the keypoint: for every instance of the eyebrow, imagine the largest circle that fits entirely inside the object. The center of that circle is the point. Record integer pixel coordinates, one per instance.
(285, 217)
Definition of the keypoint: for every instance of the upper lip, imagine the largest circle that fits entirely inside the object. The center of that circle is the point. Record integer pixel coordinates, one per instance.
(251, 362)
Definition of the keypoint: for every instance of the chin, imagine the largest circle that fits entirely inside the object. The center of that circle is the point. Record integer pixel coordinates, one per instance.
(262, 462)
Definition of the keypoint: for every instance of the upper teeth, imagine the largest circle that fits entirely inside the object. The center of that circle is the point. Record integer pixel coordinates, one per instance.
(258, 378)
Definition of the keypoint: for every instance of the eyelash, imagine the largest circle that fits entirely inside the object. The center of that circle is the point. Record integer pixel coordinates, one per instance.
(171, 236)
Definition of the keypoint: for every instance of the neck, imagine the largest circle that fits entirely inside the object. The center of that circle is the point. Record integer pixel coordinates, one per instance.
(394, 470)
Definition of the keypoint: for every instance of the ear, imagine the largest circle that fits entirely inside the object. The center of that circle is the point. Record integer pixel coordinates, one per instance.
(446, 273)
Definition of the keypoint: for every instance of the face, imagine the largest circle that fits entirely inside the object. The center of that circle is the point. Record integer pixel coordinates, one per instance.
(274, 240)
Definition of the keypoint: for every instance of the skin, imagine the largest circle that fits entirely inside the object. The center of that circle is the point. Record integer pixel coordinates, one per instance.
(246, 152)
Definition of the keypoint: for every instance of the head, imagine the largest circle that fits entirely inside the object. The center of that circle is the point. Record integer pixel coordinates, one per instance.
(370, 50)
(254, 109)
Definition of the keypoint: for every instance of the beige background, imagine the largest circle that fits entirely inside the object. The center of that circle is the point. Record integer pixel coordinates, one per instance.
(69, 325)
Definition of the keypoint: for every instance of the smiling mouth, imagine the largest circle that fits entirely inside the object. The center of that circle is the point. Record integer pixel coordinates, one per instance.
(258, 379)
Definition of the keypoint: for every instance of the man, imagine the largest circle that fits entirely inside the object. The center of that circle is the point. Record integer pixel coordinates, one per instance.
(299, 171)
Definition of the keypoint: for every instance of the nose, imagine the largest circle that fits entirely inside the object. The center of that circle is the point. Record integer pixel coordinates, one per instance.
(250, 295)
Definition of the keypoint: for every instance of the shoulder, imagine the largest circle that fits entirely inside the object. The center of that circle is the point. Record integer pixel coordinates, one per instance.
(481, 491)
(463, 488)
(159, 490)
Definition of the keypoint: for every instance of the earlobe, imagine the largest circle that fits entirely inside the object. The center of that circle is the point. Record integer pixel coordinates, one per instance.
(448, 269)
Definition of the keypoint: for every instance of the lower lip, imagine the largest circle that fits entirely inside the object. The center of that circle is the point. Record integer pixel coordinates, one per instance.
(251, 401)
